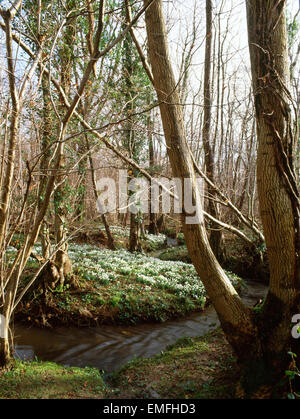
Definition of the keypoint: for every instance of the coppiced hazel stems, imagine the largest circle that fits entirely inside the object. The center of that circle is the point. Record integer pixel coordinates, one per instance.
(11, 284)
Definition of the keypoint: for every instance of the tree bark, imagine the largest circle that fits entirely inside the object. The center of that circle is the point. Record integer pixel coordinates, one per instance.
(62, 258)
(216, 236)
(277, 189)
(5, 357)
(6, 186)
(131, 140)
(110, 239)
(44, 164)
(152, 229)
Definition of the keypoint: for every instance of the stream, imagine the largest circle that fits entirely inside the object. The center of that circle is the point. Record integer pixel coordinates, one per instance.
(109, 347)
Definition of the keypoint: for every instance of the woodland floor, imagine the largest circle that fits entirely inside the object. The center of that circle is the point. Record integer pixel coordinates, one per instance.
(199, 368)
(116, 287)
(192, 368)
(119, 287)
(196, 368)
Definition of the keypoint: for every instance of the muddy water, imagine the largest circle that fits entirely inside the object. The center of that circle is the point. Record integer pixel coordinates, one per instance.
(108, 347)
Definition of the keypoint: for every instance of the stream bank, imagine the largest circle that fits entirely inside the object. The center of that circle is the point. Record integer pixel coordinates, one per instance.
(126, 354)
(109, 347)
(192, 367)
(114, 287)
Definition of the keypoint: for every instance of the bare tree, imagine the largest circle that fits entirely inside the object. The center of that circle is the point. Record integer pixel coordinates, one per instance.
(216, 236)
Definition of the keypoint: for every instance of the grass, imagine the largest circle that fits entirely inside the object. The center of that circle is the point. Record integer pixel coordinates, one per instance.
(178, 253)
(47, 380)
(198, 368)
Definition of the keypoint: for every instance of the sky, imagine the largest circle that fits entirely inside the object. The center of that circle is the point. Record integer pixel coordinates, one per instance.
(179, 14)
(179, 17)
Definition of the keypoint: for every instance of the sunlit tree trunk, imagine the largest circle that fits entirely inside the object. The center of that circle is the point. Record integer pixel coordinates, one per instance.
(277, 189)
(131, 137)
(5, 356)
(44, 165)
(62, 259)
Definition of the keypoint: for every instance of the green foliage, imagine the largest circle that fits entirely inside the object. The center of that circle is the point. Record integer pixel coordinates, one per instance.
(64, 197)
(191, 368)
(151, 242)
(259, 307)
(86, 298)
(291, 375)
(115, 299)
(123, 286)
(262, 247)
(182, 342)
(60, 288)
(44, 380)
(180, 239)
(178, 253)
(292, 30)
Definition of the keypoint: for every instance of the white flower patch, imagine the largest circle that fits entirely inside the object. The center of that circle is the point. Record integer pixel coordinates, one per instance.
(157, 240)
(177, 277)
(123, 267)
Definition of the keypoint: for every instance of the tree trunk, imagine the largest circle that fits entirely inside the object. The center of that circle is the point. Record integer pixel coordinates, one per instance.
(62, 259)
(216, 236)
(110, 239)
(277, 189)
(44, 164)
(131, 140)
(6, 184)
(152, 229)
(5, 357)
(7, 293)
(134, 237)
